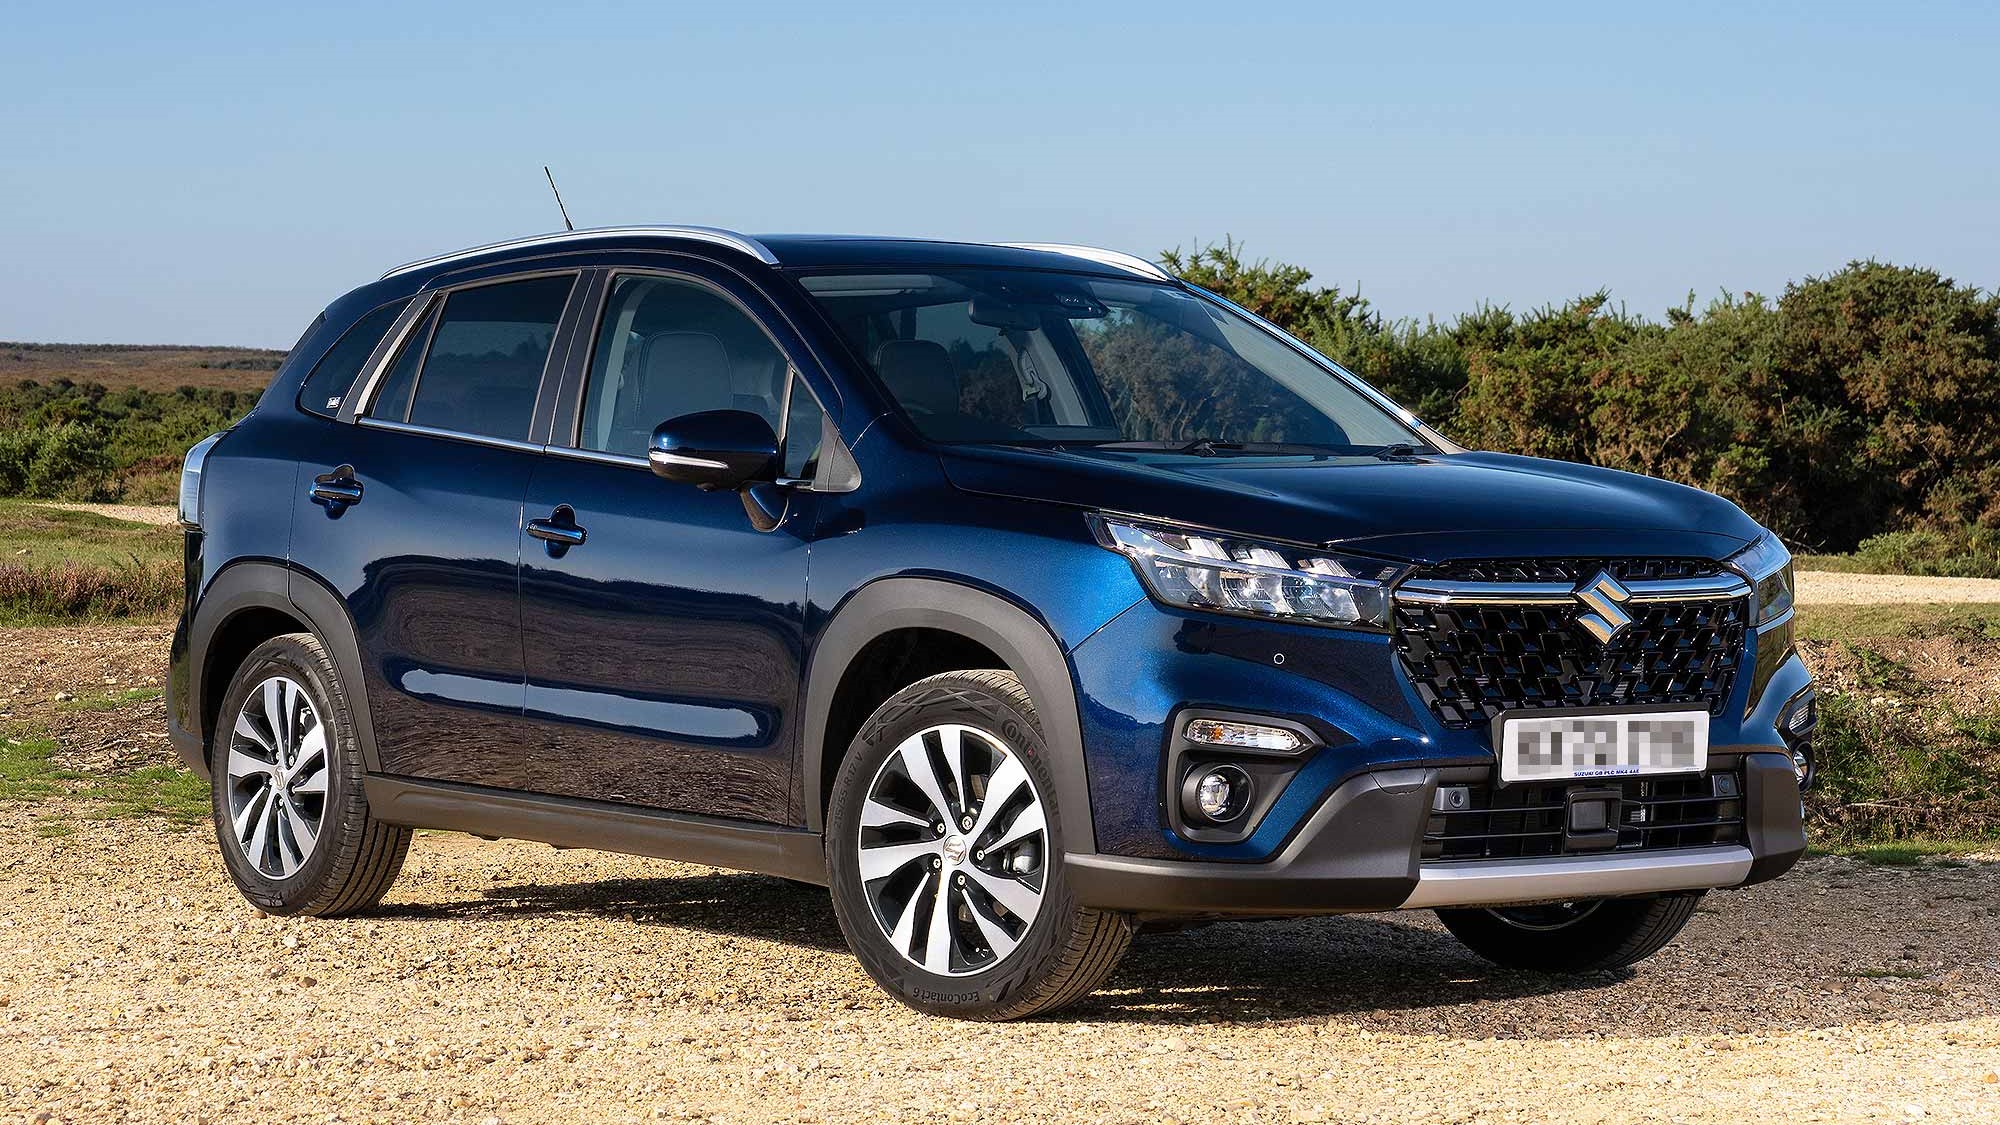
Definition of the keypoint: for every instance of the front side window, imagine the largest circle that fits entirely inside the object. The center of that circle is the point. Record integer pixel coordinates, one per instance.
(328, 384)
(475, 365)
(669, 347)
(1030, 357)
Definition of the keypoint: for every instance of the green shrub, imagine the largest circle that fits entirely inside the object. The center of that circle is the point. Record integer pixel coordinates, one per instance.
(1858, 404)
(1970, 552)
(1893, 769)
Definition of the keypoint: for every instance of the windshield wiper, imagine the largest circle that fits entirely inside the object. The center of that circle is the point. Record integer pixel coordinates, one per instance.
(1397, 451)
(1199, 447)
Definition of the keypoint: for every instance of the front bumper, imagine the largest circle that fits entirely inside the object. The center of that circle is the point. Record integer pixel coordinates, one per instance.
(1361, 851)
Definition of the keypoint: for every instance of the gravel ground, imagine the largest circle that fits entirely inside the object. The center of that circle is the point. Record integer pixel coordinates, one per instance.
(512, 982)
(1826, 587)
(160, 515)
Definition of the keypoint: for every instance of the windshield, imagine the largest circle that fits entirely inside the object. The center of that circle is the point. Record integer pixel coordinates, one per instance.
(1012, 356)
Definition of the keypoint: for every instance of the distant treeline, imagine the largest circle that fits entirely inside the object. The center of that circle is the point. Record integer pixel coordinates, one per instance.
(1863, 406)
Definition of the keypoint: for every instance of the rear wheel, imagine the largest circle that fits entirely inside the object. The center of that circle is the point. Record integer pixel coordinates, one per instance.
(286, 780)
(944, 843)
(1573, 937)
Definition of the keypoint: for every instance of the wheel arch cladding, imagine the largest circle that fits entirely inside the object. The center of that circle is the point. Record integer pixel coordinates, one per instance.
(1020, 642)
(252, 601)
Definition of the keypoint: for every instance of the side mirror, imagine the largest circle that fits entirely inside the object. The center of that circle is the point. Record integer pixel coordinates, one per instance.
(715, 449)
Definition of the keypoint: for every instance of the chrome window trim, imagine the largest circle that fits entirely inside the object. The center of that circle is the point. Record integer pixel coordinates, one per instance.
(450, 435)
(599, 457)
(1103, 257)
(1721, 587)
(385, 354)
(714, 236)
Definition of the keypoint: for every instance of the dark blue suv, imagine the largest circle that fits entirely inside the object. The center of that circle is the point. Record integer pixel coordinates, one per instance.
(1023, 595)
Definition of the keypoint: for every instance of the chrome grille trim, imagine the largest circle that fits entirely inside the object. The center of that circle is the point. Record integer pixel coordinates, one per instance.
(1722, 587)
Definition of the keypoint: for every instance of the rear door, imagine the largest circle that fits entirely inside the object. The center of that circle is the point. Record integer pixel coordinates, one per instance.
(663, 651)
(413, 515)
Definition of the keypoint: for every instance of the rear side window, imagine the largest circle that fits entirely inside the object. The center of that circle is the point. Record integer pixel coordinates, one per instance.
(327, 386)
(480, 363)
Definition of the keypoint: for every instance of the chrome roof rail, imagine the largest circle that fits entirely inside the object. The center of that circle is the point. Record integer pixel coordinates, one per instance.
(1097, 254)
(713, 235)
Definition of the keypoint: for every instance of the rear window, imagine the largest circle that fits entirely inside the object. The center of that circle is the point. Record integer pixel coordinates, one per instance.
(328, 385)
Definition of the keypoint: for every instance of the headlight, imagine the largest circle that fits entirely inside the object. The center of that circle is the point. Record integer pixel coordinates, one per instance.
(1768, 566)
(1200, 570)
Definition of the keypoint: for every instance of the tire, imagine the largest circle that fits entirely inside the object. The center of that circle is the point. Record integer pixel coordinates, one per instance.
(1059, 951)
(351, 858)
(1576, 937)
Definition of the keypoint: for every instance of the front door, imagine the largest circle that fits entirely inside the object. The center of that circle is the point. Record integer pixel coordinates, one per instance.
(663, 650)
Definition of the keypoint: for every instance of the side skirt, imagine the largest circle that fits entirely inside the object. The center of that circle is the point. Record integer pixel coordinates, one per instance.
(789, 853)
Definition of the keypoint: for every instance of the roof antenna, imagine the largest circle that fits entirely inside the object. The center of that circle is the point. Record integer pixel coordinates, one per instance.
(567, 225)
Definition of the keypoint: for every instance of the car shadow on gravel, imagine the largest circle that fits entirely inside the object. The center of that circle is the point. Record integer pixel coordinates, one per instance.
(1274, 970)
(738, 905)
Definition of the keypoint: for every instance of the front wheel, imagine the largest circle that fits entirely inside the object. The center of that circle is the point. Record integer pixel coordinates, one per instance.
(944, 843)
(1573, 937)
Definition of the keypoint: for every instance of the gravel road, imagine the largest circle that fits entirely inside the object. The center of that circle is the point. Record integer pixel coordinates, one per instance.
(512, 982)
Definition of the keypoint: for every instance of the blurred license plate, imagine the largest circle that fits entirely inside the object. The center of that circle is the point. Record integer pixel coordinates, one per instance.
(1563, 745)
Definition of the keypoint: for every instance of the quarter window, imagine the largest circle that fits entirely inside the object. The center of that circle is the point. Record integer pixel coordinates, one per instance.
(477, 369)
(669, 347)
(328, 384)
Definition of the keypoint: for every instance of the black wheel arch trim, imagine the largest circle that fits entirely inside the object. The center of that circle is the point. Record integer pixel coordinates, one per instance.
(1014, 635)
(264, 584)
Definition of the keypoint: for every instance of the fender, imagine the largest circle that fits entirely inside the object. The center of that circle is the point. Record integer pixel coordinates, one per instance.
(264, 584)
(1011, 632)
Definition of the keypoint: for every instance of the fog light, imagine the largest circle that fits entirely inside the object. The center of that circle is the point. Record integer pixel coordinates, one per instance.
(1243, 736)
(1216, 794)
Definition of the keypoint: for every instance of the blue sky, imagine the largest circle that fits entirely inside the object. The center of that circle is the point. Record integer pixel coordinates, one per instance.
(215, 174)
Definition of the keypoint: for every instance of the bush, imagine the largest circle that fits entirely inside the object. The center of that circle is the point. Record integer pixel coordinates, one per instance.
(1893, 769)
(1971, 552)
(71, 441)
(1859, 404)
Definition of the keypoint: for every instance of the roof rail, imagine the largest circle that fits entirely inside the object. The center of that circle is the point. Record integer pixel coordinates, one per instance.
(713, 235)
(1097, 254)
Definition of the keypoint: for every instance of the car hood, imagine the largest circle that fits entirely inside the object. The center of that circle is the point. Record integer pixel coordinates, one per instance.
(1460, 505)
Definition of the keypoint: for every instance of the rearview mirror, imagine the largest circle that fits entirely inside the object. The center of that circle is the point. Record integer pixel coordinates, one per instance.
(714, 449)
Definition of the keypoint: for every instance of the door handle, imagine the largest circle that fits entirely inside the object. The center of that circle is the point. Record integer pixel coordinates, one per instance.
(336, 491)
(559, 531)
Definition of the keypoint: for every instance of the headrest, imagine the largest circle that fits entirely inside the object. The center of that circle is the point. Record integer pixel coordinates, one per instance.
(683, 368)
(920, 374)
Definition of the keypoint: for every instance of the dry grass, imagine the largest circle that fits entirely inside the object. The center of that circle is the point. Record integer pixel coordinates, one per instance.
(149, 367)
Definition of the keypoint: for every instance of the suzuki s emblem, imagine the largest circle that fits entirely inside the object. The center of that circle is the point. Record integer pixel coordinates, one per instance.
(1603, 599)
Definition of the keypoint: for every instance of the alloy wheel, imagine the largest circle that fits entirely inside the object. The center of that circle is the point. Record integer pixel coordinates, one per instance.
(954, 849)
(277, 773)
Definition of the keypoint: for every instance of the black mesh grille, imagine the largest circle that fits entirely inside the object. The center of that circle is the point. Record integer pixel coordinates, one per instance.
(1686, 811)
(1471, 662)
